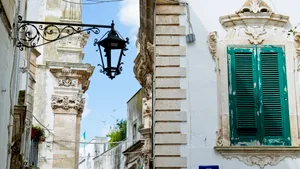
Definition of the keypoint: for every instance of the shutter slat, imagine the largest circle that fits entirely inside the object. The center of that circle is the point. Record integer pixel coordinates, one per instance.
(271, 95)
(245, 104)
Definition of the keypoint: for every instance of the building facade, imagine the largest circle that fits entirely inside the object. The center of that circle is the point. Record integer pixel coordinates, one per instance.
(62, 81)
(17, 71)
(128, 153)
(225, 83)
(135, 140)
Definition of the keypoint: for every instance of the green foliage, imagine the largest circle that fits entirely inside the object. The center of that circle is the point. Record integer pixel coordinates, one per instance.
(37, 133)
(291, 31)
(117, 133)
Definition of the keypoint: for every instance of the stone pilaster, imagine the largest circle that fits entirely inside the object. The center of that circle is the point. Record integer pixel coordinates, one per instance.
(169, 138)
(68, 105)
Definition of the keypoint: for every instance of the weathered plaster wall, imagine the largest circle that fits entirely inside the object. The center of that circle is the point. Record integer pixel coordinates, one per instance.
(6, 56)
(9, 75)
(44, 113)
(134, 116)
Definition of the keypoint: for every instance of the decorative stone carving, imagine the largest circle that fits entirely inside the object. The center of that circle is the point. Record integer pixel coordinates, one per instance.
(259, 155)
(297, 40)
(255, 33)
(255, 6)
(212, 44)
(261, 161)
(66, 82)
(219, 138)
(67, 103)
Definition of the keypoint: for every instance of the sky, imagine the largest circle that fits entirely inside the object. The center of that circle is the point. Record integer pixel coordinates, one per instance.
(106, 99)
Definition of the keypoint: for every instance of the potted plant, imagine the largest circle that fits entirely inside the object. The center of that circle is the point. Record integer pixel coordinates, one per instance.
(37, 134)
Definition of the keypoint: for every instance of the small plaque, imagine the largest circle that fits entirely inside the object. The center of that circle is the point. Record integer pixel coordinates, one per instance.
(209, 167)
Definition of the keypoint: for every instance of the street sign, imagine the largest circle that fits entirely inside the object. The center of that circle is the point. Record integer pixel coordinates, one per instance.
(209, 167)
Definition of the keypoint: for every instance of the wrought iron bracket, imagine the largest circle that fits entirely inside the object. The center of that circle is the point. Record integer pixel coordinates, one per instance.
(31, 34)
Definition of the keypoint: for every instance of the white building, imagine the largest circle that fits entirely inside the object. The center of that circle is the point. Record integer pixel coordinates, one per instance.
(17, 73)
(89, 151)
(228, 98)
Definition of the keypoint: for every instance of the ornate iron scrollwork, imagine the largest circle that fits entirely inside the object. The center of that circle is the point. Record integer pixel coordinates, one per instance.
(32, 34)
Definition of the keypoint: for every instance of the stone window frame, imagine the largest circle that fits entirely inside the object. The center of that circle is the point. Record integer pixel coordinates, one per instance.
(255, 155)
(223, 100)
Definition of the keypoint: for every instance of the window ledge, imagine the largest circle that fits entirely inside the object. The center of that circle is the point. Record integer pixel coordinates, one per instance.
(259, 155)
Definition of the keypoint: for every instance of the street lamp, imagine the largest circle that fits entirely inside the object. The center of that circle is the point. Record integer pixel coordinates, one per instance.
(31, 34)
(112, 43)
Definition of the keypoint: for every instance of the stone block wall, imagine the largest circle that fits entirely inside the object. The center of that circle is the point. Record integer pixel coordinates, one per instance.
(169, 138)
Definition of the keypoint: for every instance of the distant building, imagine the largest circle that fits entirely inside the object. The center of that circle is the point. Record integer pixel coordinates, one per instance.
(89, 151)
(127, 153)
(225, 82)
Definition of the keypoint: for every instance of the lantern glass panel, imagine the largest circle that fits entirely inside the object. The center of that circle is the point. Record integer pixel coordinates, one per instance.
(115, 55)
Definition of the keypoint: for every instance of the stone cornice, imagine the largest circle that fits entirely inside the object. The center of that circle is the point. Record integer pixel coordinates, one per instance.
(260, 156)
(254, 12)
(63, 71)
(245, 19)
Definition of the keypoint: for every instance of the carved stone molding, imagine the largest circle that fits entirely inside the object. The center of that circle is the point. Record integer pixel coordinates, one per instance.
(297, 41)
(67, 82)
(66, 102)
(254, 12)
(255, 6)
(72, 74)
(255, 33)
(212, 44)
(260, 156)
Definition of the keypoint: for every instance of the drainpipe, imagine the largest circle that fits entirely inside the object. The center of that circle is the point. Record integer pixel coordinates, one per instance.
(154, 89)
(25, 140)
(153, 114)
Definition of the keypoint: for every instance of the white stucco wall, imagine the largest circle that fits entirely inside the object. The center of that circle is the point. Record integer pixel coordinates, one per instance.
(10, 82)
(6, 57)
(201, 84)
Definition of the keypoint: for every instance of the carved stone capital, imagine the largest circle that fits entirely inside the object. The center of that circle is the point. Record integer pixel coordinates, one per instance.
(255, 34)
(259, 156)
(66, 103)
(212, 44)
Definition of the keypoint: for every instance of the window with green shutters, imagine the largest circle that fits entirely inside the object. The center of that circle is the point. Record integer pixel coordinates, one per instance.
(258, 99)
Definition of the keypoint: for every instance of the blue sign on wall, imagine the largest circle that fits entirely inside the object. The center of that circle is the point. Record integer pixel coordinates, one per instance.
(209, 167)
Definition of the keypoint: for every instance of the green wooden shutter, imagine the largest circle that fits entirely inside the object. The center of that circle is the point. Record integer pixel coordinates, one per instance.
(242, 95)
(273, 97)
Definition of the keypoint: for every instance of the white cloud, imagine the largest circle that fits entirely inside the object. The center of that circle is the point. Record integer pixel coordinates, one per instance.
(129, 15)
(86, 110)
